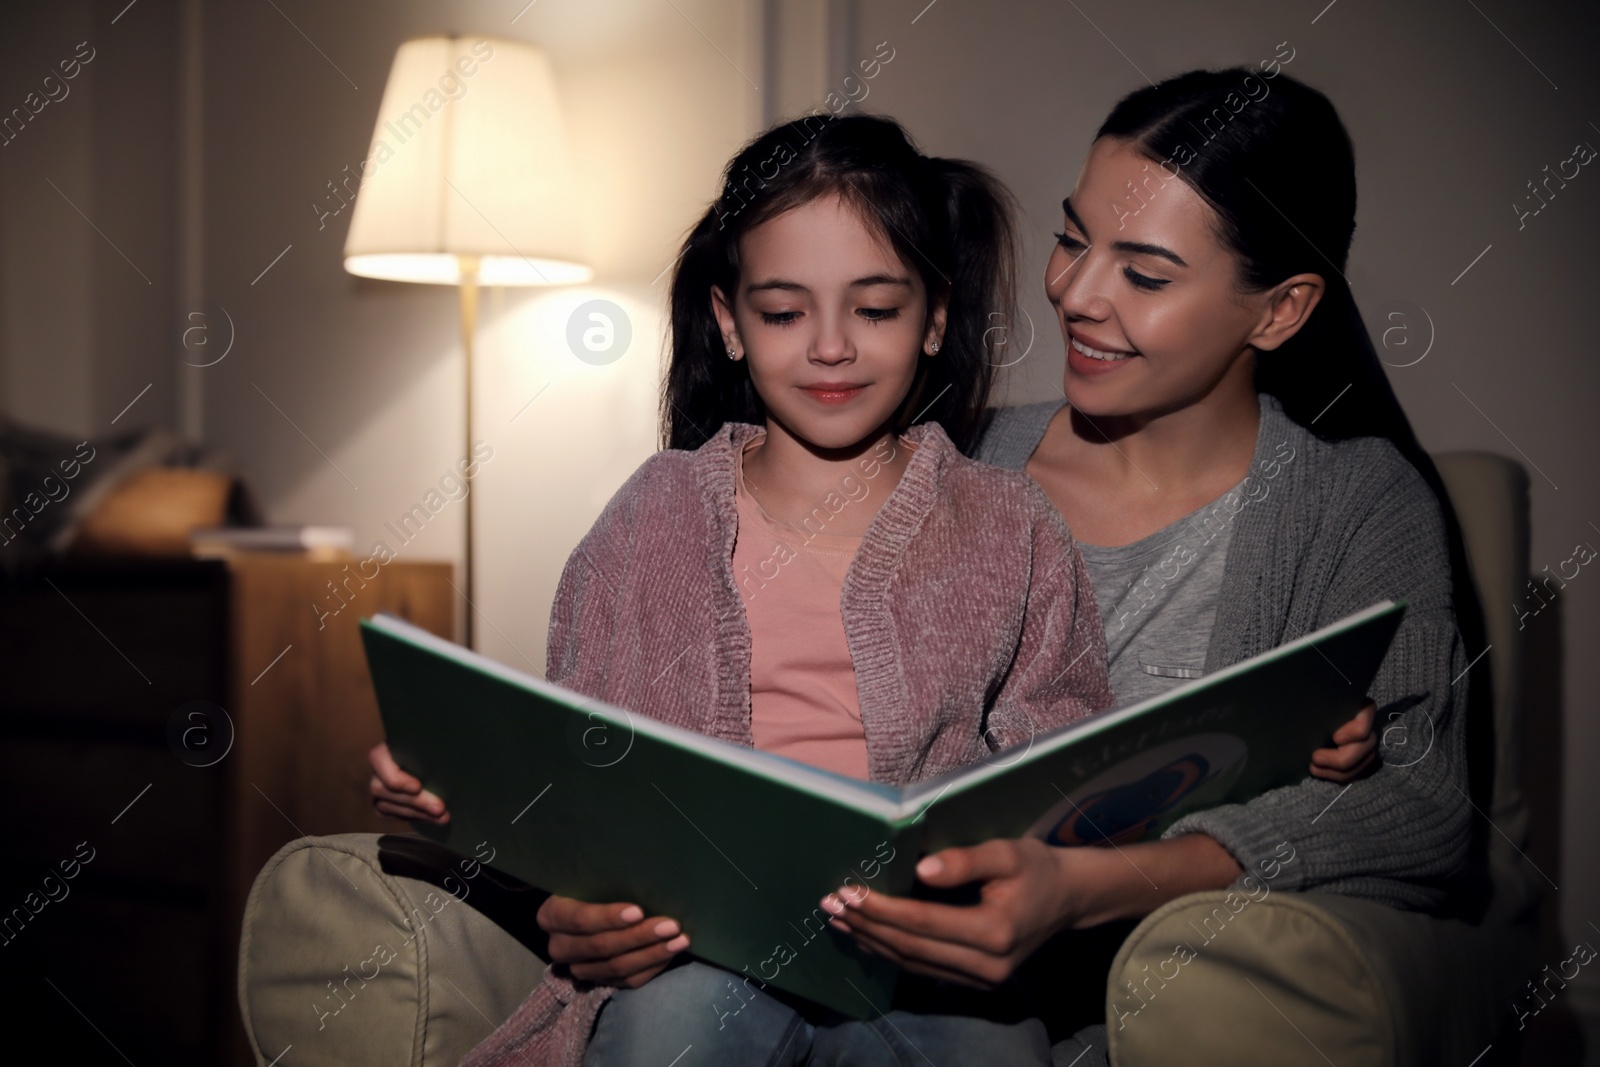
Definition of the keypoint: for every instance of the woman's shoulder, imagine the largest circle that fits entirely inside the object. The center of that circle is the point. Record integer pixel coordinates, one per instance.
(1355, 469)
(1009, 435)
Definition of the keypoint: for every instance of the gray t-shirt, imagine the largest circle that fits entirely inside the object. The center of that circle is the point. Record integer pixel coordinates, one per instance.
(1158, 600)
(1158, 596)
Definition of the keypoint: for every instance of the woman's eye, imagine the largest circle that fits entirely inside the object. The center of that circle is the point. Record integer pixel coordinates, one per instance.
(879, 314)
(1144, 281)
(1071, 244)
(779, 318)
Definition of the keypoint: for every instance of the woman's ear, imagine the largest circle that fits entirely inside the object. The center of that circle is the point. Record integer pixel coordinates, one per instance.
(734, 348)
(1289, 305)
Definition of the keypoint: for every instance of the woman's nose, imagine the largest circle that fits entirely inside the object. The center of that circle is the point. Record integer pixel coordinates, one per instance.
(1073, 285)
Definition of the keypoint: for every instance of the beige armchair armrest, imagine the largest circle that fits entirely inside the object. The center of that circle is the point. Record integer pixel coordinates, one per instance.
(1310, 978)
(356, 967)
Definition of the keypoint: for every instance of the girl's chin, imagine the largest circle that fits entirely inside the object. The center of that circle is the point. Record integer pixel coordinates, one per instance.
(848, 431)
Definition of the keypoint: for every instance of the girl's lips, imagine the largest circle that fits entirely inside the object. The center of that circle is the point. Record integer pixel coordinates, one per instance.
(831, 394)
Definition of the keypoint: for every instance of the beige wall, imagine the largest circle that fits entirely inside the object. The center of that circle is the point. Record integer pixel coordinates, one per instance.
(86, 217)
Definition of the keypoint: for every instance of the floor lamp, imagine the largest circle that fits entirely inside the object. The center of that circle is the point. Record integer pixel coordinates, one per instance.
(468, 182)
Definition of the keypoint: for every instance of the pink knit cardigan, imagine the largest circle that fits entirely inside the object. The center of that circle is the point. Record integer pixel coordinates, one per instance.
(969, 615)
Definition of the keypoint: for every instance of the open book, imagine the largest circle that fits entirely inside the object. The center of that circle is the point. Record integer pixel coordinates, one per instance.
(605, 804)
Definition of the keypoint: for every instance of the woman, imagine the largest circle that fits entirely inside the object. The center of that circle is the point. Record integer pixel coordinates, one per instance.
(1237, 472)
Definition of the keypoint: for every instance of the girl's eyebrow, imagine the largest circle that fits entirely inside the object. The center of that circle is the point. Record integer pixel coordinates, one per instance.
(1123, 246)
(785, 285)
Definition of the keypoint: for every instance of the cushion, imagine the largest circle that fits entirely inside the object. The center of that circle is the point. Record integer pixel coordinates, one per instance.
(152, 512)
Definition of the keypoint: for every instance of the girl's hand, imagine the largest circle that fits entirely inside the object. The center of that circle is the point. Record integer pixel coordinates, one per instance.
(398, 794)
(609, 944)
(1357, 748)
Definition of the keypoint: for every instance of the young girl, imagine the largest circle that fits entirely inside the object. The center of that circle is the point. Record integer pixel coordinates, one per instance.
(812, 567)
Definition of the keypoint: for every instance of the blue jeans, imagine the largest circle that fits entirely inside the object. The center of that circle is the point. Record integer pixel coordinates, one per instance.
(702, 1014)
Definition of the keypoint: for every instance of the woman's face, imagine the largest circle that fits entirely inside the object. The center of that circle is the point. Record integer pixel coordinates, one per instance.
(832, 322)
(1145, 292)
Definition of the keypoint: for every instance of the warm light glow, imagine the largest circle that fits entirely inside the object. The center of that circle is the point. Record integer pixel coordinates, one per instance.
(469, 158)
(444, 268)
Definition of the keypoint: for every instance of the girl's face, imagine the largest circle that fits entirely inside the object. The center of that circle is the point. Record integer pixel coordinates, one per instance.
(831, 321)
(1145, 293)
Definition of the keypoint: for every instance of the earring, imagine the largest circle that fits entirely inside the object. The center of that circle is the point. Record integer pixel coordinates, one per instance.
(933, 348)
(732, 353)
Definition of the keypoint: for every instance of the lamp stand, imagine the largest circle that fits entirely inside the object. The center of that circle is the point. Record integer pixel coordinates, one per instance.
(469, 323)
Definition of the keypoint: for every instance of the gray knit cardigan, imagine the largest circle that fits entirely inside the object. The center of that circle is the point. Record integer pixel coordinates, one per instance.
(1341, 526)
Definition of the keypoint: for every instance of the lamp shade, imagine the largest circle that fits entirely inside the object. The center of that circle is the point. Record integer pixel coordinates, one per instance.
(469, 168)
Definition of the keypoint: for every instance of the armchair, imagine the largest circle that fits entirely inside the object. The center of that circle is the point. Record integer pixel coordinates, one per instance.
(364, 949)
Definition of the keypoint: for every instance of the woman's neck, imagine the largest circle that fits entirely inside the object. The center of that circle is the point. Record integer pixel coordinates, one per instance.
(791, 478)
(1118, 480)
(1200, 444)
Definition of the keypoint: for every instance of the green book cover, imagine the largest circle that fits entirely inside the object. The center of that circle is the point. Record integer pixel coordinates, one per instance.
(601, 803)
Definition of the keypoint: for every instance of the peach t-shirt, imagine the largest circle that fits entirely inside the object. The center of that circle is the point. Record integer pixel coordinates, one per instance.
(803, 702)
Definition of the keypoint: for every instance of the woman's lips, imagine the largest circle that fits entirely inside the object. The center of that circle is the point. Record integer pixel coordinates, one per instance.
(832, 392)
(1087, 360)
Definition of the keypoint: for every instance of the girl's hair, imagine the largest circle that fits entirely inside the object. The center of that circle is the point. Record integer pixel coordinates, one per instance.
(947, 219)
(1276, 165)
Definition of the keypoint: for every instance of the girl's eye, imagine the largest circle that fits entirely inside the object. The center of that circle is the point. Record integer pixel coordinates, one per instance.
(779, 318)
(1144, 282)
(879, 314)
(1071, 244)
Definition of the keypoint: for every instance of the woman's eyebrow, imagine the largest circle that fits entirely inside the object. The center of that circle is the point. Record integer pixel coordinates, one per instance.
(1124, 246)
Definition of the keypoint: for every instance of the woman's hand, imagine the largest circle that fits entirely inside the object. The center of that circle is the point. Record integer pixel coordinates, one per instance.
(1030, 891)
(1357, 748)
(398, 794)
(1025, 899)
(609, 944)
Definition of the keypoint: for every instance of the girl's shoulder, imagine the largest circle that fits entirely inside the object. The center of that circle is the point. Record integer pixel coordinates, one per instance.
(663, 498)
(983, 496)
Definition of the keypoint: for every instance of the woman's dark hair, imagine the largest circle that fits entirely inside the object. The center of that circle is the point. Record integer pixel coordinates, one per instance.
(1272, 158)
(947, 219)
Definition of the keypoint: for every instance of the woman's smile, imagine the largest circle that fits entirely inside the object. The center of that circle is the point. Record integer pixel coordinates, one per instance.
(1085, 357)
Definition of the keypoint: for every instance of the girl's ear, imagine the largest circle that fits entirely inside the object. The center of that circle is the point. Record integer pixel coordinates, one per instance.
(734, 348)
(1289, 305)
(934, 338)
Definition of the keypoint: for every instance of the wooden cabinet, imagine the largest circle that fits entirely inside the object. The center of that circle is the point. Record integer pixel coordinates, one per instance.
(164, 728)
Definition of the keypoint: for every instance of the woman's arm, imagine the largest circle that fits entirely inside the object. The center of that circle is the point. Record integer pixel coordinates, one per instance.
(1400, 833)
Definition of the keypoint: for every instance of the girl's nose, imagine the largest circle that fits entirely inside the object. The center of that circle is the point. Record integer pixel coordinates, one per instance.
(831, 345)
